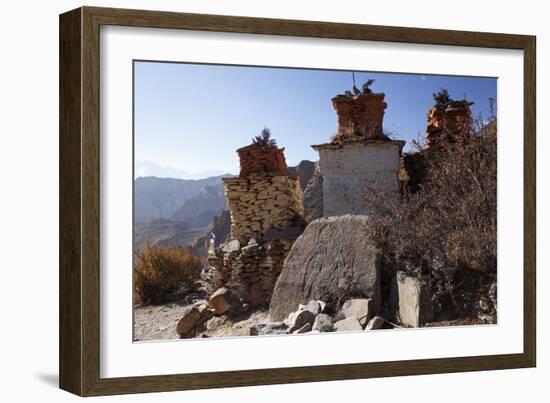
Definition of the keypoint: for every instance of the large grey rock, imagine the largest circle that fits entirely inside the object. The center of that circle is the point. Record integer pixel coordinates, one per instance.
(322, 322)
(304, 170)
(313, 196)
(360, 308)
(334, 257)
(190, 319)
(415, 306)
(350, 324)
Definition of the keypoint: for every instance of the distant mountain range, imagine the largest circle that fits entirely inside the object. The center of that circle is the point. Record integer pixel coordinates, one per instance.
(199, 210)
(161, 197)
(147, 168)
(176, 211)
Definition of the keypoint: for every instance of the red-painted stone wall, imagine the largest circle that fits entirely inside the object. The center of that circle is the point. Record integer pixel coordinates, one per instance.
(359, 116)
(254, 160)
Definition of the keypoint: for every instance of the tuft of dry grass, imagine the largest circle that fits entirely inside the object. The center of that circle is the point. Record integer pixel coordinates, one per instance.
(160, 269)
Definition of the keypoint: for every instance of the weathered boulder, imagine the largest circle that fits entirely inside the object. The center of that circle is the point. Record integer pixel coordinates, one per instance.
(334, 257)
(322, 322)
(221, 301)
(304, 329)
(375, 323)
(415, 306)
(190, 319)
(302, 318)
(360, 308)
(348, 325)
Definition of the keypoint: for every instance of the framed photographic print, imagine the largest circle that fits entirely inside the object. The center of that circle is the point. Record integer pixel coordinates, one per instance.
(249, 201)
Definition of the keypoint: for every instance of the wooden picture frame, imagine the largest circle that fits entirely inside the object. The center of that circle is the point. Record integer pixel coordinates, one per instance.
(79, 346)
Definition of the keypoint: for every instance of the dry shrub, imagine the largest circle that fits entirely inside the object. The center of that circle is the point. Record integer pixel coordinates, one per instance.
(444, 229)
(160, 270)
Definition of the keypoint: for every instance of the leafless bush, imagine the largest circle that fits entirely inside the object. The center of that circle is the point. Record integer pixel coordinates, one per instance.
(444, 229)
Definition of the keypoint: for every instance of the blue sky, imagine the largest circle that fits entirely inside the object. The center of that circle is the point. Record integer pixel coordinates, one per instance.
(193, 117)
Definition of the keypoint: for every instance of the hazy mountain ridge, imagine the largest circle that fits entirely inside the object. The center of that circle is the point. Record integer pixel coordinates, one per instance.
(199, 210)
(156, 198)
(147, 168)
(171, 211)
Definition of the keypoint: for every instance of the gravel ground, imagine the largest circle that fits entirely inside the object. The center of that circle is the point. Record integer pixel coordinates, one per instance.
(159, 323)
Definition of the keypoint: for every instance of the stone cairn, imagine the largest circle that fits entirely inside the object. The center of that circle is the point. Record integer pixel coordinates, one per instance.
(360, 160)
(267, 216)
(448, 121)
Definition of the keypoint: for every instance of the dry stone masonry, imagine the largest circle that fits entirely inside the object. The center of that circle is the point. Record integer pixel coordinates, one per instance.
(267, 215)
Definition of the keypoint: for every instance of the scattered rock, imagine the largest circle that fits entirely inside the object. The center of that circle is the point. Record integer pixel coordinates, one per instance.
(261, 329)
(302, 318)
(415, 306)
(233, 246)
(375, 323)
(334, 256)
(322, 321)
(348, 325)
(314, 307)
(360, 308)
(221, 301)
(304, 329)
(190, 319)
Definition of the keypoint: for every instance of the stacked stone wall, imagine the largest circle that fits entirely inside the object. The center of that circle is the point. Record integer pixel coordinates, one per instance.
(262, 202)
(267, 215)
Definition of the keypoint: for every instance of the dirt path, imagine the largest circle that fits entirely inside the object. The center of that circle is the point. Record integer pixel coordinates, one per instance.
(159, 323)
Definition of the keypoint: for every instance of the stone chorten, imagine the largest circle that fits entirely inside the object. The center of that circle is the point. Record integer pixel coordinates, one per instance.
(359, 162)
(448, 121)
(267, 215)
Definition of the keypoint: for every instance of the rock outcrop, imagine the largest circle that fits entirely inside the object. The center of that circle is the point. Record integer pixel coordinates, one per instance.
(415, 305)
(313, 196)
(304, 170)
(333, 259)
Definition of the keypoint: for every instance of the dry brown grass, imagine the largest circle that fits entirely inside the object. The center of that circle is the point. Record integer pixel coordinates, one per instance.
(160, 270)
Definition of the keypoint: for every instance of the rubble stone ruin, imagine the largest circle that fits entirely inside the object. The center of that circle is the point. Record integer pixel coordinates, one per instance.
(448, 120)
(360, 163)
(267, 215)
